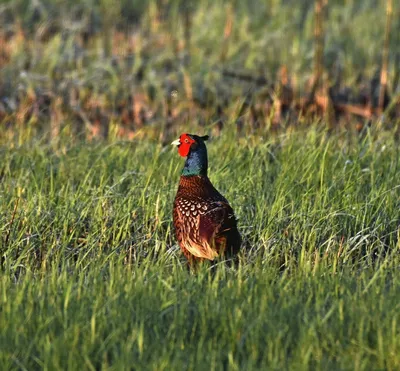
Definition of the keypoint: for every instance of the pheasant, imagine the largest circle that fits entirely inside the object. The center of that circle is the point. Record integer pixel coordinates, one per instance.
(205, 224)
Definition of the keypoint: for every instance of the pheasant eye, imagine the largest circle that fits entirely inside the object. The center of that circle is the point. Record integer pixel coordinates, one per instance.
(186, 141)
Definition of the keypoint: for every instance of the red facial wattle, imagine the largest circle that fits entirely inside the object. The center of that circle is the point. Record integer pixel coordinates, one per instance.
(185, 143)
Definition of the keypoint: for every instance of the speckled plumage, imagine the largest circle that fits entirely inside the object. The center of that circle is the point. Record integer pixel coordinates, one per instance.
(205, 224)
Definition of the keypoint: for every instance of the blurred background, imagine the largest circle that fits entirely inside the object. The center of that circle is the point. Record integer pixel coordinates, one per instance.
(99, 69)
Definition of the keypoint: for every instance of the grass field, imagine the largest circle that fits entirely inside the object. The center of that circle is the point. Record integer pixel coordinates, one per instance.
(92, 277)
(133, 65)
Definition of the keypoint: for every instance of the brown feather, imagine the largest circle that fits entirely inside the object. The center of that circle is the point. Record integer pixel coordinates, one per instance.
(205, 224)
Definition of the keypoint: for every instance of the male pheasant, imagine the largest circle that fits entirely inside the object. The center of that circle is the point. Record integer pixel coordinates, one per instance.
(205, 224)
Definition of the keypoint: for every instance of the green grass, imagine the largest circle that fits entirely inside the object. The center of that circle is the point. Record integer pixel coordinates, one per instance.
(264, 35)
(90, 273)
(91, 277)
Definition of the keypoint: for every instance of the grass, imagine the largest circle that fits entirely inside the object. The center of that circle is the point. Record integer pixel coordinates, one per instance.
(136, 65)
(90, 273)
(92, 278)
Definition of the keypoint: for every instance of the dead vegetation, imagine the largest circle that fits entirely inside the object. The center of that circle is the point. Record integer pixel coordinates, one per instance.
(89, 76)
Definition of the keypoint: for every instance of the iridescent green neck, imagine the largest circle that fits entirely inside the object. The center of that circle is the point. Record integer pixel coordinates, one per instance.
(197, 162)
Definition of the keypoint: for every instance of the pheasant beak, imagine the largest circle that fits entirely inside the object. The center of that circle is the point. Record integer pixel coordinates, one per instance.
(176, 142)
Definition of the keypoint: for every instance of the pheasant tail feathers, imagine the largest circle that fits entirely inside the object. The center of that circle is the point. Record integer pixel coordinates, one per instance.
(202, 249)
(200, 241)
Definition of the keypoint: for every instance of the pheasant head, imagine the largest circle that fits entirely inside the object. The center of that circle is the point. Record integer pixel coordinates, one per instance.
(194, 149)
